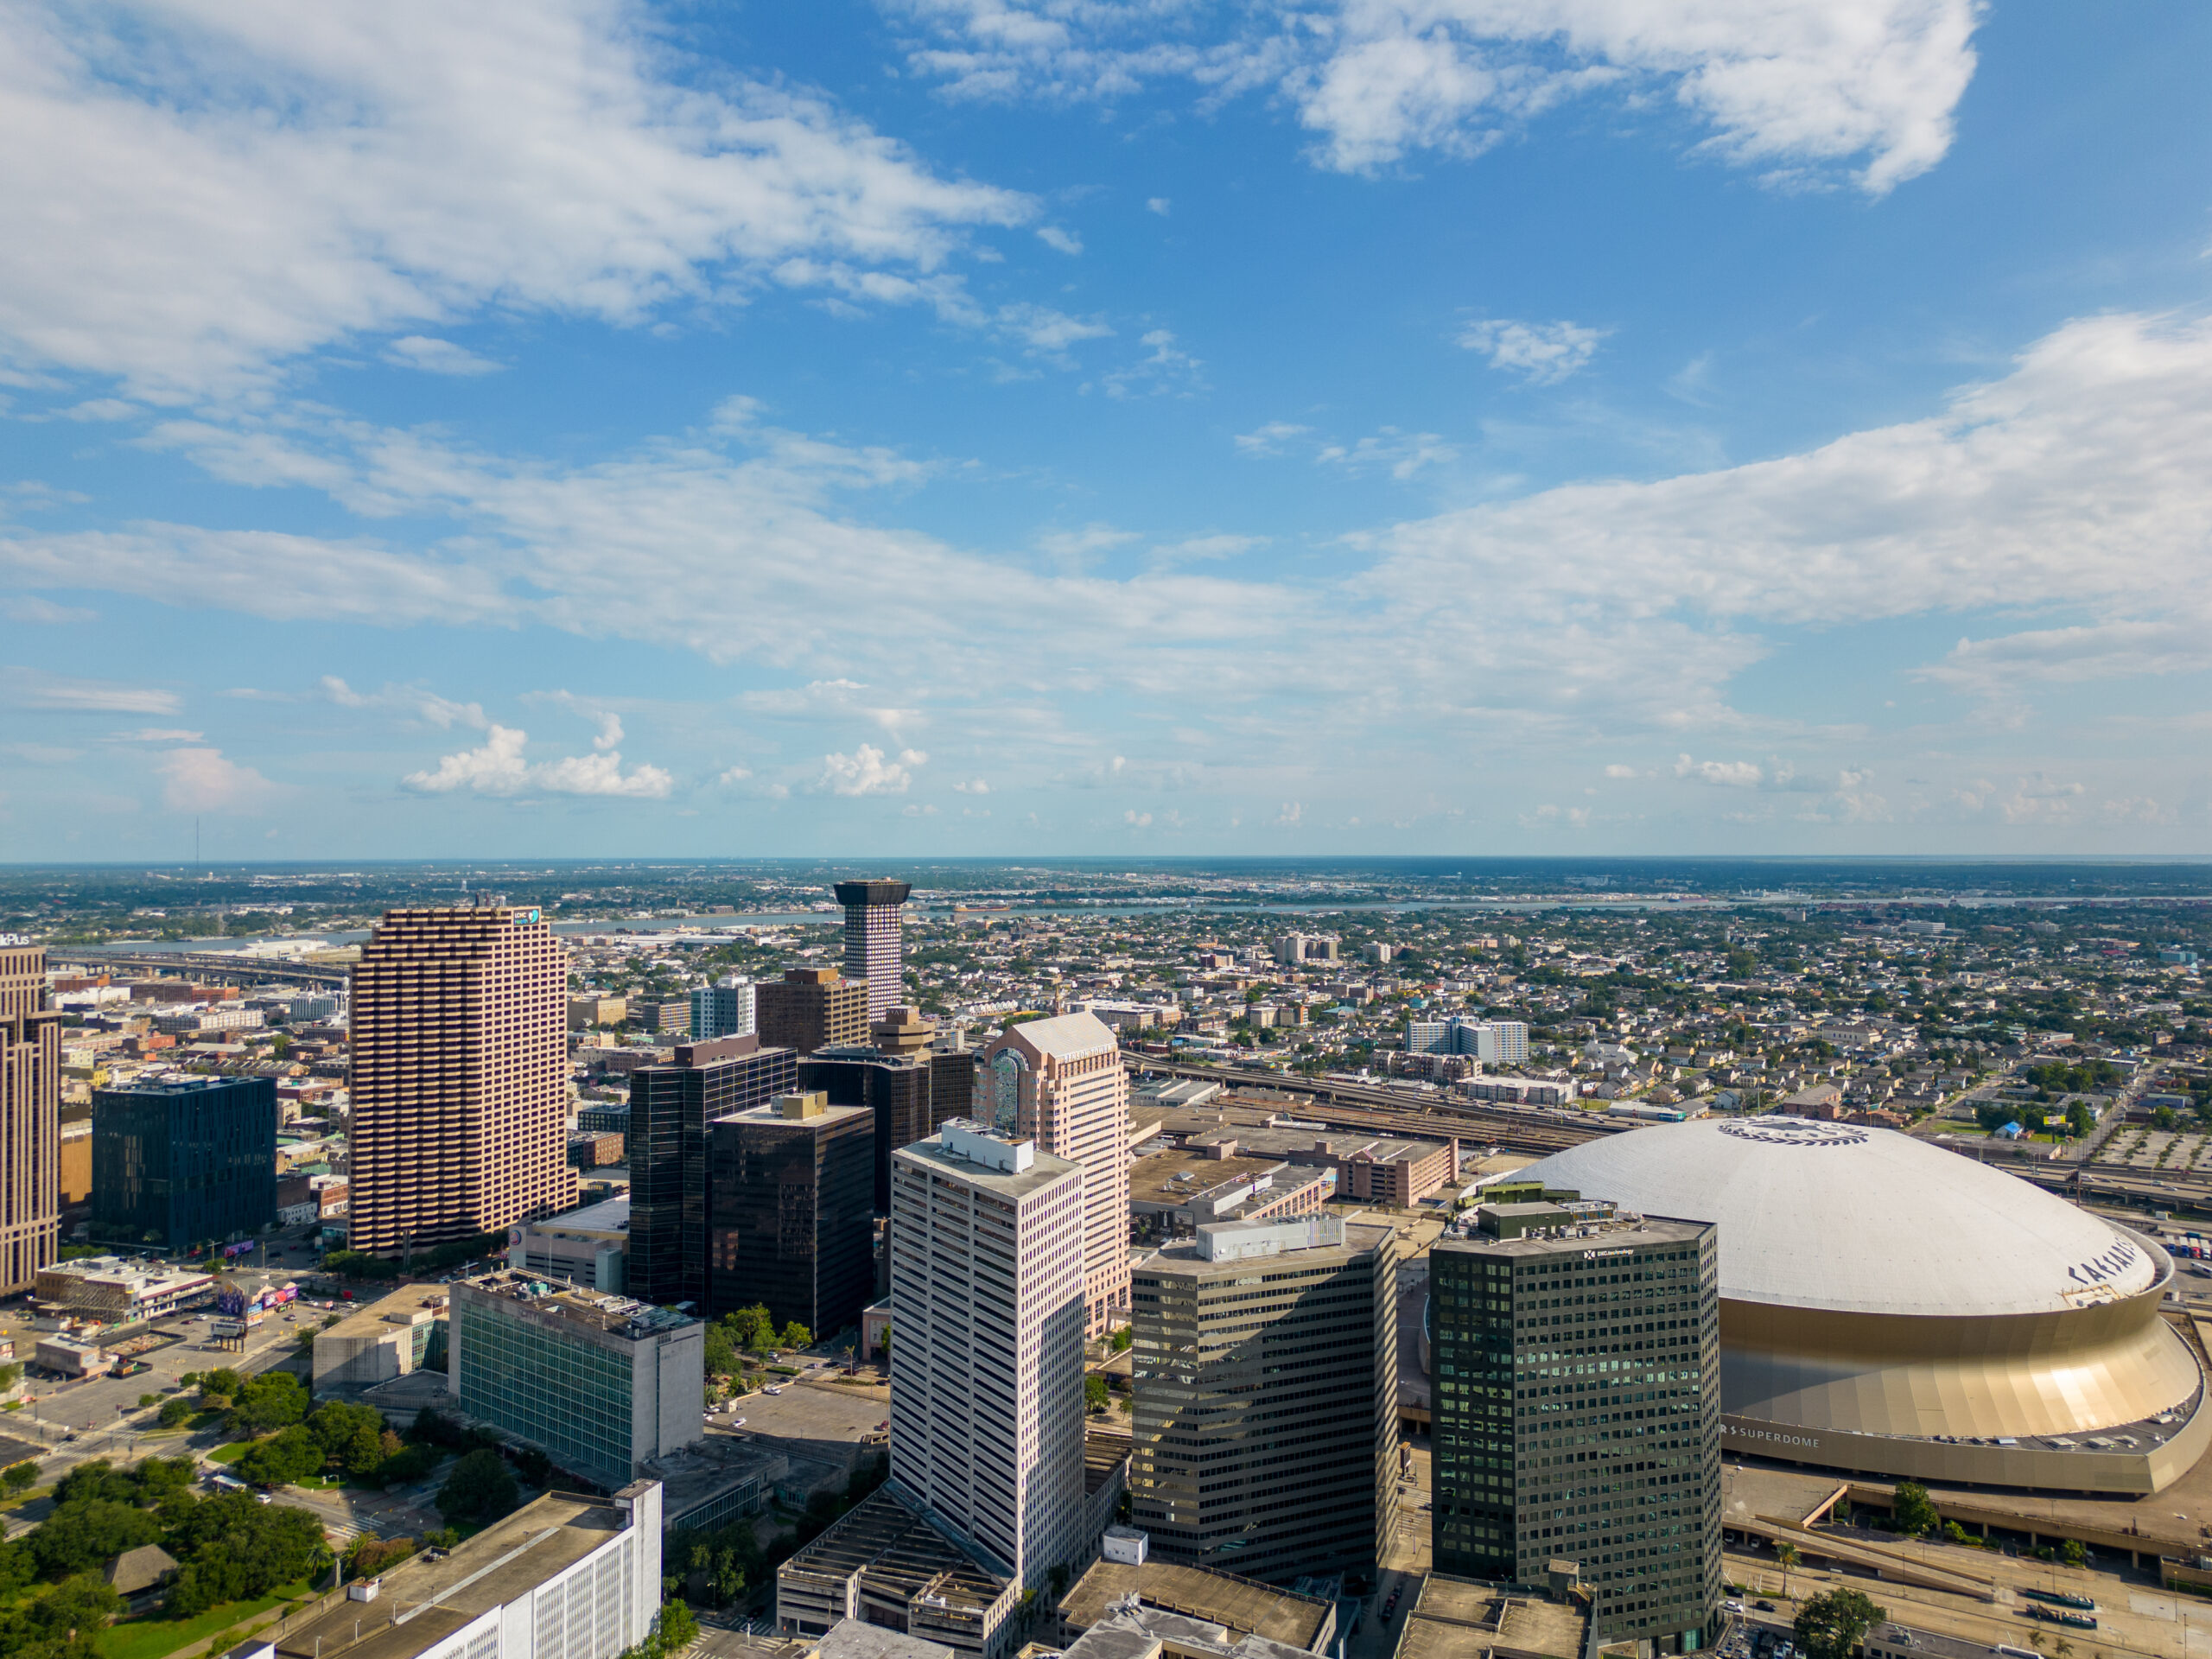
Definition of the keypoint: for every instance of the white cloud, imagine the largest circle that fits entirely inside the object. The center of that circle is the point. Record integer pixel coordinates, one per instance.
(1291, 815)
(199, 191)
(1137, 820)
(423, 704)
(1060, 240)
(1726, 774)
(1541, 354)
(25, 688)
(203, 780)
(159, 734)
(1268, 440)
(45, 612)
(497, 766)
(1793, 87)
(1401, 453)
(1168, 369)
(1203, 549)
(1618, 771)
(913, 810)
(437, 356)
(972, 786)
(1158, 204)
(1072, 550)
(865, 772)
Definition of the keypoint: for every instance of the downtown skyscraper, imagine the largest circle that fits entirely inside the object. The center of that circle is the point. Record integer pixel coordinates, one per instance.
(1576, 1365)
(873, 951)
(458, 1076)
(987, 1309)
(30, 1119)
(1060, 1083)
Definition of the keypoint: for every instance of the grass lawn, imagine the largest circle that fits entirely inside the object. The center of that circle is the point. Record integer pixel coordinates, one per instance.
(230, 1454)
(320, 1483)
(154, 1636)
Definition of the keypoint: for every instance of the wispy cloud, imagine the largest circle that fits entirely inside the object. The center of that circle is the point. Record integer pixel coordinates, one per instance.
(1540, 353)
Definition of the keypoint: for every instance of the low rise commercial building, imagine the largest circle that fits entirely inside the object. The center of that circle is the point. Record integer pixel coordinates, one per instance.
(404, 1333)
(599, 1383)
(1238, 1607)
(588, 1247)
(1373, 1168)
(1175, 1192)
(564, 1577)
(109, 1288)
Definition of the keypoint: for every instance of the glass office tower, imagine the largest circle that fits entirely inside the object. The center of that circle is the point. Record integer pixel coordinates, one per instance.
(1575, 1356)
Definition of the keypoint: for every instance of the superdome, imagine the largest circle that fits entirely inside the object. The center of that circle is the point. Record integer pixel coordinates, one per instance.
(1874, 1285)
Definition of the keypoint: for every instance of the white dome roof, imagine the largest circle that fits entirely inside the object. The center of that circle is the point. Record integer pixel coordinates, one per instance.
(1861, 1220)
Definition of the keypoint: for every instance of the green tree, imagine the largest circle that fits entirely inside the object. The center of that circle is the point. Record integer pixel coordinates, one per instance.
(795, 1336)
(751, 1329)
(351, 1436)
(19, 1477)
(219, 1387)
(1788, 1555)
(1831, 1626)
(2074, 1553)
(234, 1548)
(1094, 1393)
(272, 1400)
(288, 1456)
(481, 1488)
(1122, 1338)
(720, 1356)
(1916, 1516)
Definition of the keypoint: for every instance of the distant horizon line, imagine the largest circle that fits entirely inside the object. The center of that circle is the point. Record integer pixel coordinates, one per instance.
(856, 860)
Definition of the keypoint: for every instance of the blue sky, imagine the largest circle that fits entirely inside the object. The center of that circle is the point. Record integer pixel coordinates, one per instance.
(1036, 426)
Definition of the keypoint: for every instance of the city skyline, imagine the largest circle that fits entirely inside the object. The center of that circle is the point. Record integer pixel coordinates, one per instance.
(1033, 431)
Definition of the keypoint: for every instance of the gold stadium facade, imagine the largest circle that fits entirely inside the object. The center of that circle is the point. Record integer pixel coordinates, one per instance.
(1889, 1307)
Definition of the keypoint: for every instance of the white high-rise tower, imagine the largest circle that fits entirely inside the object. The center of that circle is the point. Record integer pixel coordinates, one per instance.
(987, 1320)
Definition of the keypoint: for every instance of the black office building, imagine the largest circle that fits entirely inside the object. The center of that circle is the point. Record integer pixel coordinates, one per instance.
(1575, 1353)
(790, 1222)
(894, 1088)
(670, 1108)
(184, 1162)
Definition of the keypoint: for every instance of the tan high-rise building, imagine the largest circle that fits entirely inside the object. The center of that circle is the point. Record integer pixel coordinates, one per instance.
(460, 1065)
(809, 1009)
(1060, 1083)
(30, 1119)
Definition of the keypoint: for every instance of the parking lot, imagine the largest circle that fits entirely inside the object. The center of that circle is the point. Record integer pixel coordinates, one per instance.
(812, 1411)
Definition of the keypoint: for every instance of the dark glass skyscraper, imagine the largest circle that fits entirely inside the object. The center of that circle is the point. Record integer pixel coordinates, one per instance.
(789, 1222)
(895, 1089)
(184, 1162)
(1576, 1366)
(670, 1107)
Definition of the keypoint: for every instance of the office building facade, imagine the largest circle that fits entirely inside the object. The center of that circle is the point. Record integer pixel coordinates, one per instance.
(895, 1090)
(790, 1221)
(30, 1119)
(599, 1383)
(809, 1009)
(722, 1009)
(458, 1076)
(987, 1295)
(1060, 1083)
(671, 1106)
(184, 1161)
(1577, 1410)
(873, 951)
(1264, 1364)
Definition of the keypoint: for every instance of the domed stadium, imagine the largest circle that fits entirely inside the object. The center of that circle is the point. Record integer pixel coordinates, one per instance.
(1889, 1306)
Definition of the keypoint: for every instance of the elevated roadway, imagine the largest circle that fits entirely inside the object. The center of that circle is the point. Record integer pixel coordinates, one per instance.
(1382, 1110)
(210, 966)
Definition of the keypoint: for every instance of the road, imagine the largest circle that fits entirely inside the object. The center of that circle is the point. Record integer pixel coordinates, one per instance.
(1404, 1111)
